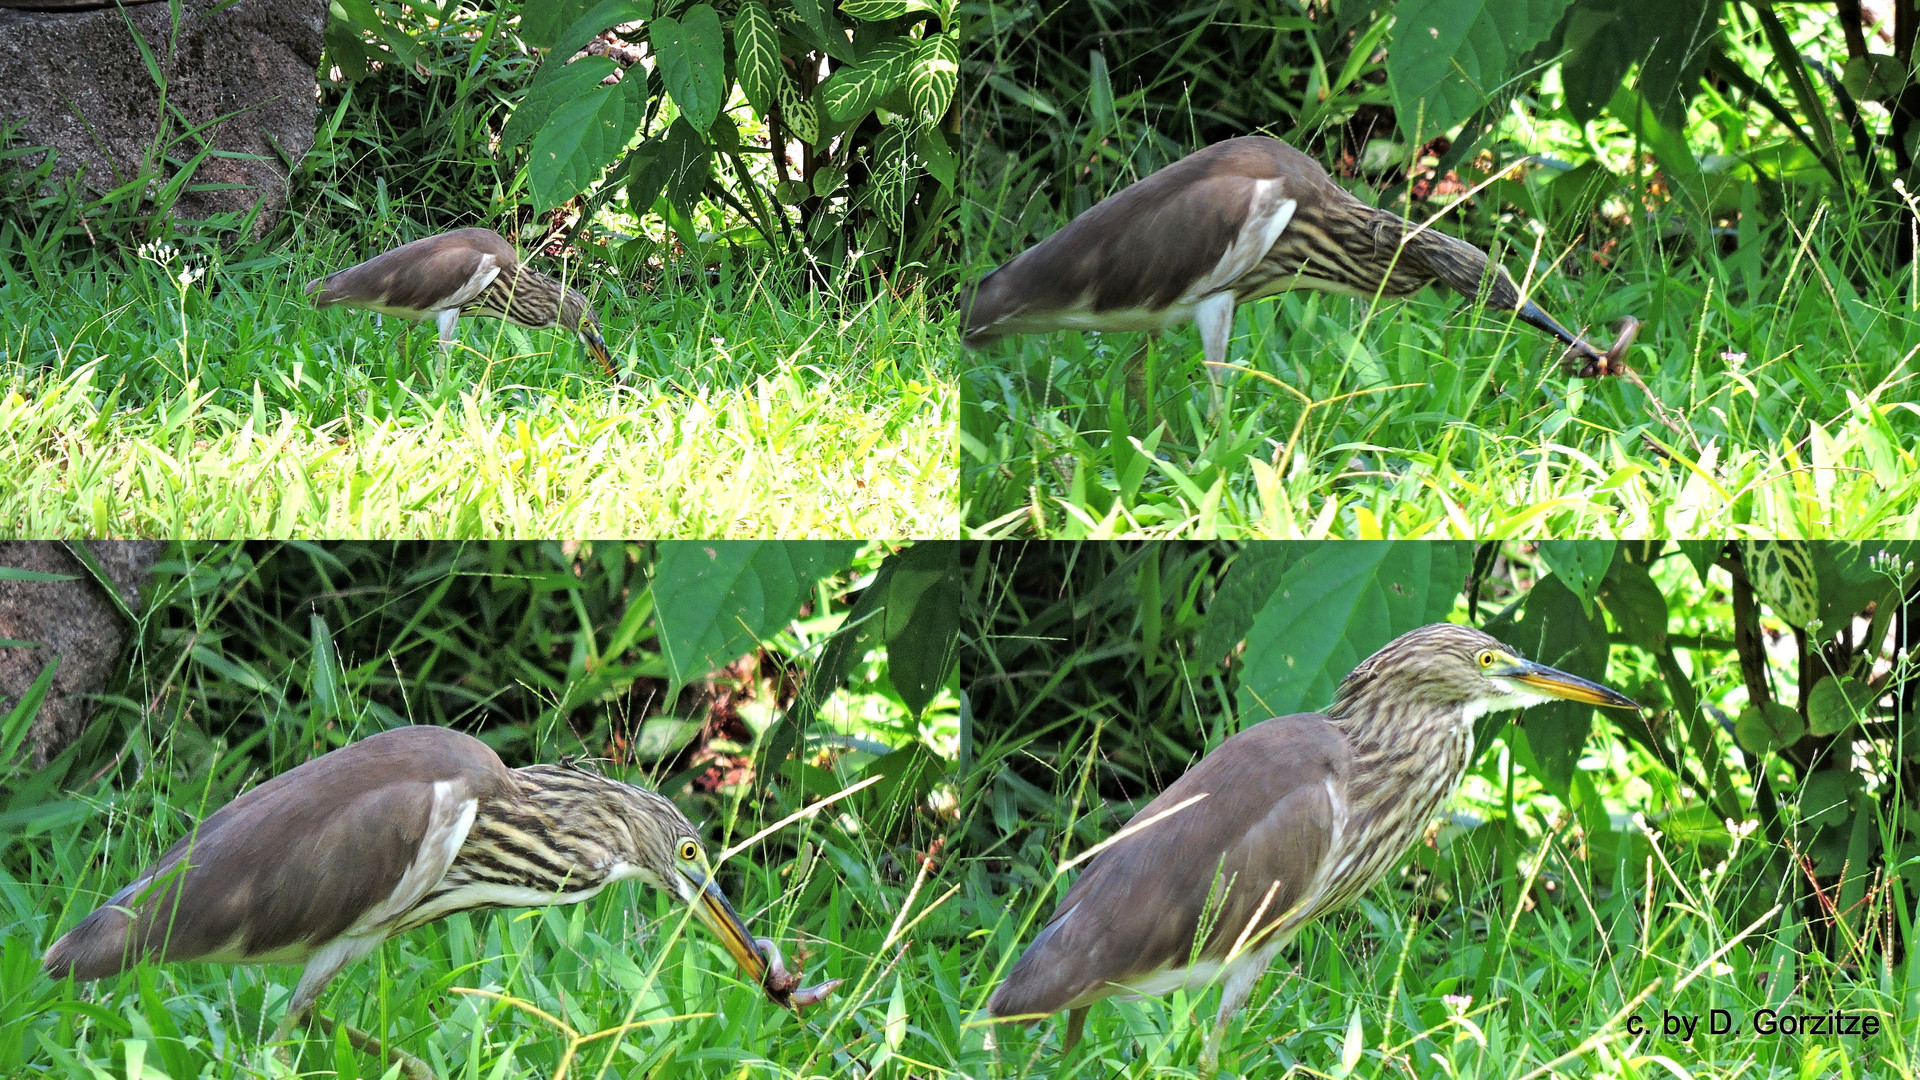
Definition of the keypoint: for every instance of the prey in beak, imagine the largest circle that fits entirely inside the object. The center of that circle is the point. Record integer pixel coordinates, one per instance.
(759, 958)
(1583, 359)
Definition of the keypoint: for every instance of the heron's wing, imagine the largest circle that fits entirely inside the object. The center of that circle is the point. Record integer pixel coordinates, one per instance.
(1257, 841)
(298, 860)
(1172, 238)
(429, 275)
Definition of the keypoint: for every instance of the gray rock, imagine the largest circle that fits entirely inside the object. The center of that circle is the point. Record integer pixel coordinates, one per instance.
(71, 620)
(78, 81)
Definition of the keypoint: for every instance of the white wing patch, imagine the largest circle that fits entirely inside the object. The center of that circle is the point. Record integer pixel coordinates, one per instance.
(1267, 217)
(483, 276)
(449, 820)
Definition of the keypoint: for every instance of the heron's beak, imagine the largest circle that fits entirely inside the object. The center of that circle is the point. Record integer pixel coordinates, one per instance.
(1598, 363)
(713, 910)
(1553, 682)
(598, 347)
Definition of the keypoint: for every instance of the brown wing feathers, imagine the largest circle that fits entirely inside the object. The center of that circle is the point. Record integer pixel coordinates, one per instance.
(1131, 911)
(419, 276)
(354, 818)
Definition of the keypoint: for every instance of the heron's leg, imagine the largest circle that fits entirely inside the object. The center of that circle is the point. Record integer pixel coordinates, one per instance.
(1233, 994)
(1215, 316)
(1076, 1027)
(446, 319)
(1135, 372)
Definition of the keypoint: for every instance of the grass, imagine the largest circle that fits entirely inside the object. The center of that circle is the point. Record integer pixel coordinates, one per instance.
(1517, 944)
(143, 397)
(1449, 974)
(1789, 381)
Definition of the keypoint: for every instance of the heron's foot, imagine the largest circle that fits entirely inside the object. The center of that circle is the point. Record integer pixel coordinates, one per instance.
(1586, 362)
(783, 986)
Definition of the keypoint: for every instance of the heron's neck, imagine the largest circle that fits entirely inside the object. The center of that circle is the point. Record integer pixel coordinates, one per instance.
(1402, 745)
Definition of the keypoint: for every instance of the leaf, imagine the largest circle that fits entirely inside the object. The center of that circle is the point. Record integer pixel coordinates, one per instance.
(798, 113)
(1702, 554)
(717, 599)
(1332, 608)
(663, 736)
(1100, 92)
(853, 90)
(1834, 704)
(581, 139)
(607, 13)
(691, 62)
(1670, 71)
(1598, 44)
(922, 624)
(932, 73)
(575, 80)
(1579, 564)
(1637, 605)
(1449, 56)
(685, 160)
(876, 10)
(756, 55)
(934, 152)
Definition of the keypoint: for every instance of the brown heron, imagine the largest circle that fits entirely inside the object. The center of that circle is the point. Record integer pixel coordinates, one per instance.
(463, 272)
(1237, 221)
(326, 861)
(1280, 824)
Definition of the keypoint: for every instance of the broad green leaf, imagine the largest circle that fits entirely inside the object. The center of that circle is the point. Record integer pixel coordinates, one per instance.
(1824, 797)
(1834, 704)
(1245, 590)
(1848, 582)
(854, 90)
(1449, 56)
(1579, 564)
(1702, 554)
(932, 73)
(717, 599)
(607, 13)
(756, 55)
(934, 152)
(1670, 71)
(582, 138)
(691, 62)
(685, 160)
(574, 80)
(798, 113)
(922, 621)
(1599, 44)
(1332, 608)
(1636, 604)
(1100, 91)
(876, 10)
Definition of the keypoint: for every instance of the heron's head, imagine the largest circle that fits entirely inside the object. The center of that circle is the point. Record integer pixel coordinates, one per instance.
(577, 316)
(1464, 673)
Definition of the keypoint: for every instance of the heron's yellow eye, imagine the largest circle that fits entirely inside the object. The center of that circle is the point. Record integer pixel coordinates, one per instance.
(1486, 658)
(689, 850)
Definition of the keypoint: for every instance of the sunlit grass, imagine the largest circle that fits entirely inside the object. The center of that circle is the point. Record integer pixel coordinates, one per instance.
(155, 399)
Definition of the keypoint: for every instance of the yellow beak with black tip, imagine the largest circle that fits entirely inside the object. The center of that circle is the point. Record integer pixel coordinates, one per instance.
(1554, 683)
(710, 906)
